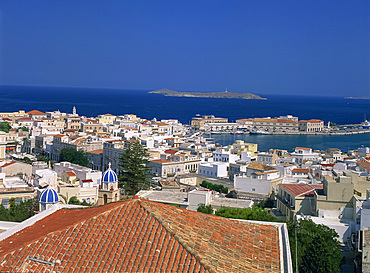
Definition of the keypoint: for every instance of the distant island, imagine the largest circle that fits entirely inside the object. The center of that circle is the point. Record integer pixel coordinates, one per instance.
(359, 98)
(221, 95)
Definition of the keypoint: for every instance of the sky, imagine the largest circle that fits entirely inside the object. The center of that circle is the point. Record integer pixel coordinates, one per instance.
(263, 47)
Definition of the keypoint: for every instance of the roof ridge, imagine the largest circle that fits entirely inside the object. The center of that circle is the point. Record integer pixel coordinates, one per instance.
(174, 235)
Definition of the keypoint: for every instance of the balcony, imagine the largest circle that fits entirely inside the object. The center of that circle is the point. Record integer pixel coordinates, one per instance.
(286, 202)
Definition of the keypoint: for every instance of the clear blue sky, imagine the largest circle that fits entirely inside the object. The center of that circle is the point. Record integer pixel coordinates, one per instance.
(265, 47)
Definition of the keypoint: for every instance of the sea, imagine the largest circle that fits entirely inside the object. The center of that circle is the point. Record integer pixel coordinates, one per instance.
(94, 101)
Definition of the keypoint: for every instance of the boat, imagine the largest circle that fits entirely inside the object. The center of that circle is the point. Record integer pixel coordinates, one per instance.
(260, 132)
(365, 124)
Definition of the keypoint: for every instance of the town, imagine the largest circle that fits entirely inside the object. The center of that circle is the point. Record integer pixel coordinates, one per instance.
(188, 170)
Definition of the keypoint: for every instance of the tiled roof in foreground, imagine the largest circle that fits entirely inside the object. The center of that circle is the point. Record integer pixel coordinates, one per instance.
(141, 236)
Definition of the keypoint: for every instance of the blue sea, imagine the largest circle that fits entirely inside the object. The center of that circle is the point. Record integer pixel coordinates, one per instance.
(92, 102)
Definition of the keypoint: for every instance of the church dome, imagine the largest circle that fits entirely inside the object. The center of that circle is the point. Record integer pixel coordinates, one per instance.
(109, 176)
(49, 195)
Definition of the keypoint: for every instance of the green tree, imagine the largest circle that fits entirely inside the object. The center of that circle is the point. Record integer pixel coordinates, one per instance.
(18, 212)
(254, 213)
(134, 173)
(205, 209)
(4, 126)
(214, 187)
(72, 155)
(317, 245)
(23, 128)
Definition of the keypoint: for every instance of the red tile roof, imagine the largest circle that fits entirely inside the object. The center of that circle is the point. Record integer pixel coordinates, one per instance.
(302, 148)
(97, 152)
(142, 236)
(70, 173)
(300, 170)
(36, 112)
(87, 180)
(160, 161)
(170, 152)
(298, 190)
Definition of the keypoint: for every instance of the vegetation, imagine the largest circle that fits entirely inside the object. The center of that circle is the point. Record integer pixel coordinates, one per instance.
(23, 128)
(73, 201)
(18, 212)
(214, 187)
(205, 209)
(266, 204)
(5, 126)
(318, 247)
(72, 155)
(45, 159)
(253, 213)
(133, 170)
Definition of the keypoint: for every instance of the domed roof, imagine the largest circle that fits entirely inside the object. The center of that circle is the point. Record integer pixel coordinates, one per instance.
(109, 176)
(49, 195)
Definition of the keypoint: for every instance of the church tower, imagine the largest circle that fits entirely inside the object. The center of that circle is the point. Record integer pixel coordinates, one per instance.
(108, 190)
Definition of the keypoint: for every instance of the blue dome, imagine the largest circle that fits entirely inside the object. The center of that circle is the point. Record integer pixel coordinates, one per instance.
(109, 176)
(49, 195)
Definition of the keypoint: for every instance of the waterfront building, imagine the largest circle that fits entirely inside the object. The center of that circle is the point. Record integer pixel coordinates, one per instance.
(199, 122)
(312, 125)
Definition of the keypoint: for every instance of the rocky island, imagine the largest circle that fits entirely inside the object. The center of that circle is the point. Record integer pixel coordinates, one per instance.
(222, 95)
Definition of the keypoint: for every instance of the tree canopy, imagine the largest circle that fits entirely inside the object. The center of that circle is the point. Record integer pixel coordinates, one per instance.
(205, 209)
(214, 187)
(18, 212)
(318, 247)
(72, 155)
(133, 170)
(5, 126)
(253, 213)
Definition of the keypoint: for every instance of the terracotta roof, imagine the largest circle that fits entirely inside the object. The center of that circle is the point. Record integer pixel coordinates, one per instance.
(36, 112)
(70, 130)
(300, 170)
(142, 236)
(312, 121)
(364, 164)
(170, 152)
(24, 119)
(160, 160)
(286, 121)
(298, 190)
(302, 148)
(59, 135)
(87, 180)
(98, 151)
(70, 173)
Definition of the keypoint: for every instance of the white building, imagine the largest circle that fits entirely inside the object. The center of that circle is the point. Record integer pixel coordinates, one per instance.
(214, 169)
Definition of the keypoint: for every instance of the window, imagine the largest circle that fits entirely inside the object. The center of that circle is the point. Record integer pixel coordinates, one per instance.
(5, 203)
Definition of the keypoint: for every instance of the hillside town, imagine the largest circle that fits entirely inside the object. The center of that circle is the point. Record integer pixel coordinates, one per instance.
(330, 187)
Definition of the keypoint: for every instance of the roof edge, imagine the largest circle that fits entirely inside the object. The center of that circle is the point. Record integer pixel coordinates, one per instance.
(285, 254)
(30, 221)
